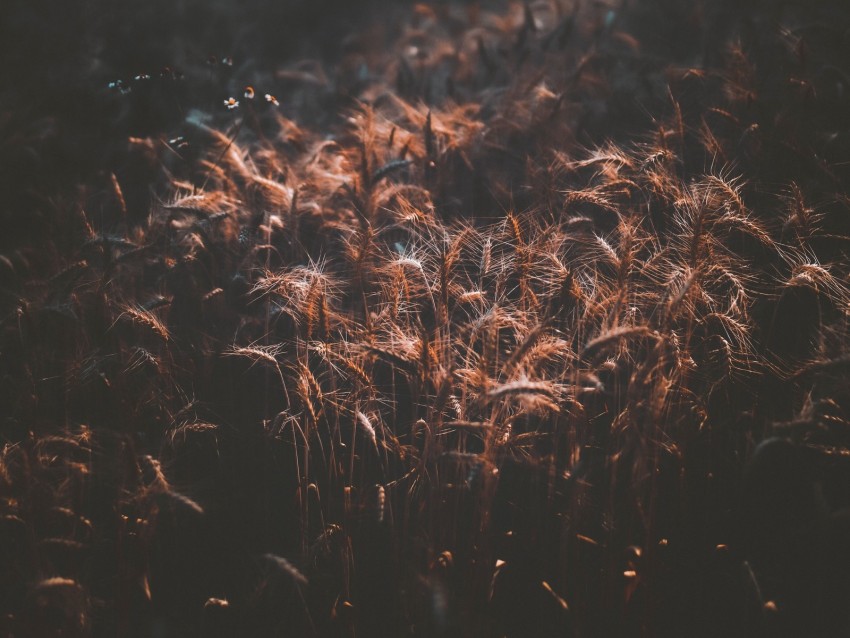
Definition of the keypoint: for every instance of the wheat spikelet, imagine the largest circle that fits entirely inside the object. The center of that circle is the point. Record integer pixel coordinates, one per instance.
(286, 568)
(256, 353)
(524, 386)
(613, 337)
(147, 319)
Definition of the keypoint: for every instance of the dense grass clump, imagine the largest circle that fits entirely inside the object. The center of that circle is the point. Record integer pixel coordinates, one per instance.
(508, 319)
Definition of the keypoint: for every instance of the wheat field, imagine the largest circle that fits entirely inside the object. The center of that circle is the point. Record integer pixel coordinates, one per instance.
(464, 319)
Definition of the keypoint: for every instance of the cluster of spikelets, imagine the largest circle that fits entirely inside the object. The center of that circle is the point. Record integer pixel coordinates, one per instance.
(463, 368)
